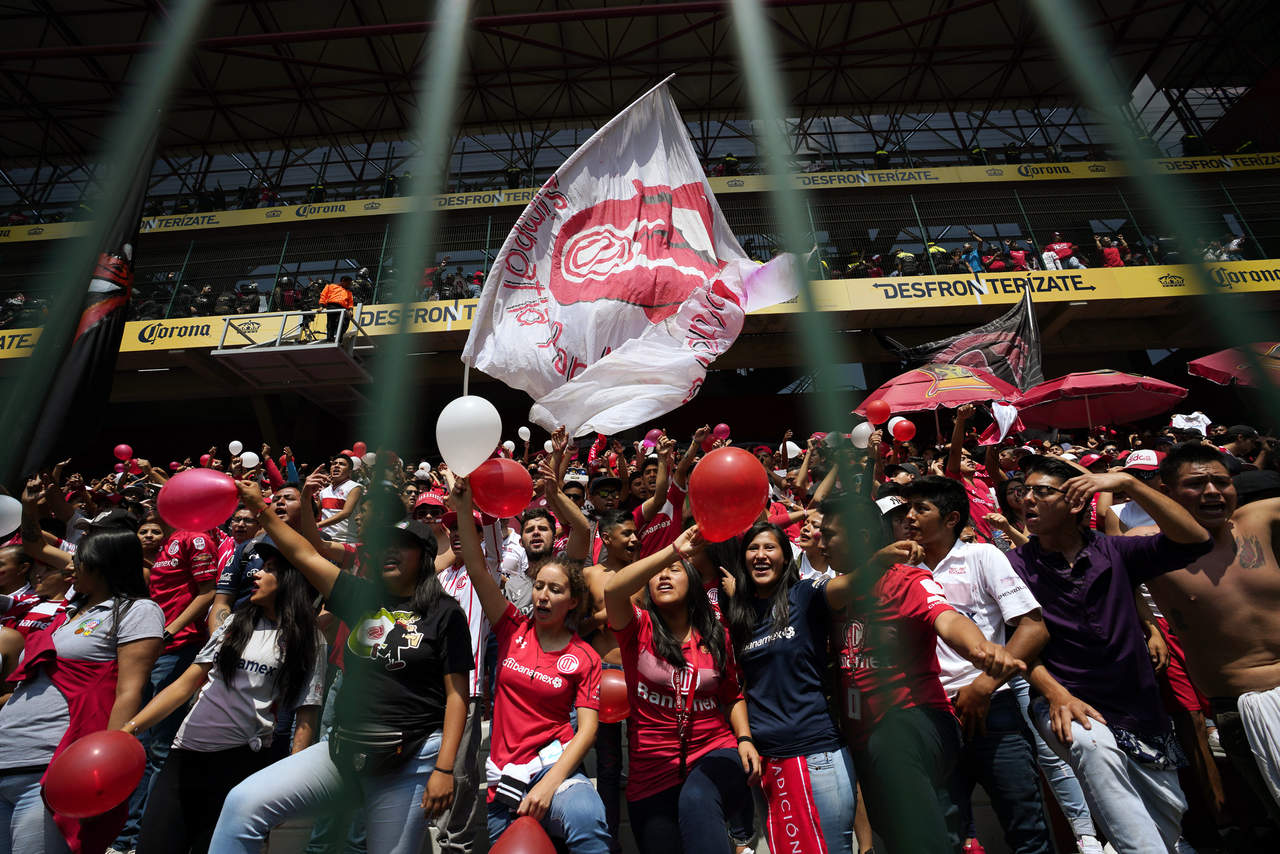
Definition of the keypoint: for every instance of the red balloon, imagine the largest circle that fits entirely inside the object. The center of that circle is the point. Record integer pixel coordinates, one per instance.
(95, 774)
(709, 443)
(878, 412)
(359, 449)
(904, 430)
(728, 489)
(347, 452)
(721, 431)
(205, 459)
(175, 465)
(134, 468)
(524, 836)
(197, 499)
(123, 452)
(501, 487)
(119, 467)
(653, 436)
(613, 697)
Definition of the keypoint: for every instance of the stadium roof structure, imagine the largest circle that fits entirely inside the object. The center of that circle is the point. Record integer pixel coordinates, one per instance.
(346, 72)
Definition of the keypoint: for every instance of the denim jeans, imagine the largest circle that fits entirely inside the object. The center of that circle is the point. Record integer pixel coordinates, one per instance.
(1062, 780)
(575, 815)
(454, 834)
(158, 739)
(831, 778)
(1002, 761)
(903, 769)
(343, 824)
(690, 817)
(1138, 807)
(26, 826)
(308, 783)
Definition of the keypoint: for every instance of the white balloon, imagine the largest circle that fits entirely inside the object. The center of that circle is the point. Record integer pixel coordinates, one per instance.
(792, 449)
(355, 464)
(467, 431)
(249, 460)
(861, 435)
(888, 428)
(424, 466)
(509, 446)
(422, 474)
(524, 434)
(10, 514)
(547, 446)
(370, 458)
(235, 448)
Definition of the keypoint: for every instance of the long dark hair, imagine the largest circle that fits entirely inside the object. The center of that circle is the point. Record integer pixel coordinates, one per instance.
(116, 555)
(296, 642)
(1017, 517)
(702, 619)
(741, 608)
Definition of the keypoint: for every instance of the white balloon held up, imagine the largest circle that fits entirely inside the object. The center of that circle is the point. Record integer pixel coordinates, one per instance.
(467, 431)
(524, 434)
(235, 448)
(249, 460)
(861, 434)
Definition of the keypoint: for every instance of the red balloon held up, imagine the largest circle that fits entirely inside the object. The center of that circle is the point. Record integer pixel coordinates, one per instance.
(119, 467)
(653, 436)
(728, 489)
(205, 459)
(709, 443)
(123, 452)
(134, 468)
(197, 499)
(613, 697)
(721, 431)
(904, 430)
(347, 452)
(501, 487)
(878, 412)
(175, 465)
(95, 774)
(524, 836)
(359, 449)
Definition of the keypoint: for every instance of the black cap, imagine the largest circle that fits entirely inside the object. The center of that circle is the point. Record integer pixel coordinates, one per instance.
(1243, 431)
(115, 519)
(1256, 485)
(604, 481)
(420, 533)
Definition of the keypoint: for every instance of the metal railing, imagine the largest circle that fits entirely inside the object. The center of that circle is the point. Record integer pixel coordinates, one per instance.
(301, 333)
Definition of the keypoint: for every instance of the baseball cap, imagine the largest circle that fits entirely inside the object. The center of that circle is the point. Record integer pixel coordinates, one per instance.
(116, 519)
(890, 503)
(605, 481)
(1244, 431)
(450, 519)
(1089, 459)
(417, 531)
(1143, 460)
(430, 498)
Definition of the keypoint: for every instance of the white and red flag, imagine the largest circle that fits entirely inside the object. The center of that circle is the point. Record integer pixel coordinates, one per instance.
(620, 282)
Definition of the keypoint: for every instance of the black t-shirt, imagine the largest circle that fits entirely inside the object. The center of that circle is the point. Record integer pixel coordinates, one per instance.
(395, 660)
(783, 675)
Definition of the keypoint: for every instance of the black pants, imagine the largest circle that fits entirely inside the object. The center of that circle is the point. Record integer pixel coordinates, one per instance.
(335, 323)
(690, 818)
(188, 794)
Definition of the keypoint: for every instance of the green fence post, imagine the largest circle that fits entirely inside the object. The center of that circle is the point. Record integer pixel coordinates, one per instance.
(488, 231)
(182, 276)
(382, 257)
(280, 262)
(1240, 217)
(1026, 220)
(924, 238)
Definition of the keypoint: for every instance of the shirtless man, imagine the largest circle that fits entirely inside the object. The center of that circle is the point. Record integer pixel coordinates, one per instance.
(1225, 607)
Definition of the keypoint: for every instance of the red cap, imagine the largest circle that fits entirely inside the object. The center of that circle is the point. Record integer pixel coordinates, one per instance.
(1144, 460)
(429, 498)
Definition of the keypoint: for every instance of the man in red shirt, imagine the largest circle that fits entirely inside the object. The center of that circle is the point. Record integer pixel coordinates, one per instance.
(1111, 256)
(1065, 250)
(899, 722)
(973, 477)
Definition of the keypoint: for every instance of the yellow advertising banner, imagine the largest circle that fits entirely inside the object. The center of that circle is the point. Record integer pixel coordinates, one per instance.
(913, 177)
(888, 293)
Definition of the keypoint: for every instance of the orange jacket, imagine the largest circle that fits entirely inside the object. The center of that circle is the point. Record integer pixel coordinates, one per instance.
(336, 295)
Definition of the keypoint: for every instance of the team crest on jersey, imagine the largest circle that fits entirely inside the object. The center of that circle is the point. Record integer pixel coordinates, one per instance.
(198, 542)
(567, 663)
(87, 627)
(173, 548)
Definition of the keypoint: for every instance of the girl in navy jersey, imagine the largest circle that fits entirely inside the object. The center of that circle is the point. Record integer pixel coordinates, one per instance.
(545, 671)
(779, 625)
(690, 746)
(267, 659)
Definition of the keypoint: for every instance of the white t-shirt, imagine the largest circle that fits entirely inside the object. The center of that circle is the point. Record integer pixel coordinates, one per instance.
(981, 585)
(245, 712)
(332, 500)
(457, 584)
(807, 570)
(1131, 515)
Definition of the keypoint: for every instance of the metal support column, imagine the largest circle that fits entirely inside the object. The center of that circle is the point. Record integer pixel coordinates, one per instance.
(924, 237)
(382, 257)
(1244, 222)
(178, 280)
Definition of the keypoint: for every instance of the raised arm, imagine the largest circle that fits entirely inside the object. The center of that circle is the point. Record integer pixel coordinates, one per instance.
(579, 545)
(666, 454)
(492, 601)
(633, 577)
(318, 570)
(686, 462)
(332, 551)
(1171, 517)
(963, 414)
(33, 542)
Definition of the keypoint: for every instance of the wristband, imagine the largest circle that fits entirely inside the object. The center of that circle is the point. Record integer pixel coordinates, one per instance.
(748, 739)
(167, 636)
(448, 771)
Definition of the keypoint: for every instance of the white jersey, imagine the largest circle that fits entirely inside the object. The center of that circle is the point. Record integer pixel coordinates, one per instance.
(332, 500)
(457, 584)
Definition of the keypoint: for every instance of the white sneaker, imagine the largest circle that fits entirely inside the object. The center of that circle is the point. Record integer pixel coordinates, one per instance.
(1089, 845)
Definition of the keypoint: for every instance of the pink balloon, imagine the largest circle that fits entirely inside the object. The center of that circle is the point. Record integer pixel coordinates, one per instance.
(119, 467)
(653, 436)
(134, 468)
(205, 460)
(197, 499)
(721, 431)
(123, 452)
(175, 465)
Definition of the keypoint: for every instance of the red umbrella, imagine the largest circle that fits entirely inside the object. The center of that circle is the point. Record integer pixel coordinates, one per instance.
(1097, 397)
(1229, 366)
(930, 386)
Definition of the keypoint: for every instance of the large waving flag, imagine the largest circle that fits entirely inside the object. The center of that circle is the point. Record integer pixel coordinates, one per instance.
(621, 281)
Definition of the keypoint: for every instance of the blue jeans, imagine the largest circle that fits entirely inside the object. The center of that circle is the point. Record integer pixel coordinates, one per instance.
(26, 825)
(1003, 762)
(343, 823)
(308, 782)
(690, 817)
(1138, 807)
(831, 778)
(575, 815)
(158, 739)
(1062, 780)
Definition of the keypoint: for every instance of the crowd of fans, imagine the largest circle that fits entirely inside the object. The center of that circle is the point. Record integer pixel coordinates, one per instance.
(900, 623)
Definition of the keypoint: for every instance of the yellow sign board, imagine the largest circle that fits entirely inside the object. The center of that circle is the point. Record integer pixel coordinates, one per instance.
(913, 177)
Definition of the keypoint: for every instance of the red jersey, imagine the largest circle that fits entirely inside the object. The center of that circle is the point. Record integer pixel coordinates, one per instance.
(660, 696)
(887, 649)
(1063, 250)
(187, 559)
(1019, 258)
(26, 612)
(536, 689)
(1111, 257)
(982, 500)
(663, 529)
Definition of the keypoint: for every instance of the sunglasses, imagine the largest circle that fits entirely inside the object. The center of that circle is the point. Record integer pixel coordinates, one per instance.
(428, 512)
(607, 493)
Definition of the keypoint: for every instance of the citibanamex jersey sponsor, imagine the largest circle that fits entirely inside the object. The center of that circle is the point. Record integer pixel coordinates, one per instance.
(546, 678)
